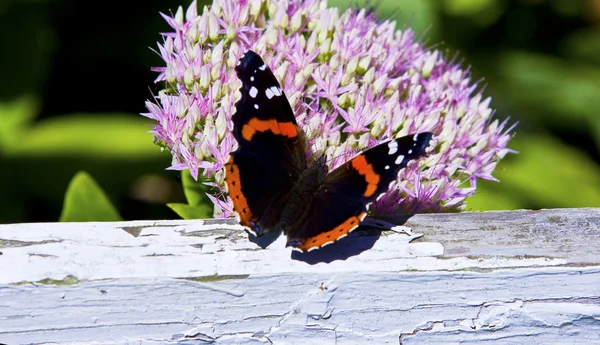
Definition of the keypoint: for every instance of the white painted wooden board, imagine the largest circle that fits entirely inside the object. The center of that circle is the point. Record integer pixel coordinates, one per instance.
(519, 277)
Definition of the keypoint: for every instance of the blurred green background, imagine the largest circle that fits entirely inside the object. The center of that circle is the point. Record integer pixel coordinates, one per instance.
(76, 76)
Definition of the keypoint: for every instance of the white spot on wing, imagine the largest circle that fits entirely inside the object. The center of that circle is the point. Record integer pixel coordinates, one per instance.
(263, 67)
(253, 92)
(416, 137)
(256, 106)
(410, 151)
(399, 160)
(251, 78)
(393, 145)
(387, 167)
(269, 93)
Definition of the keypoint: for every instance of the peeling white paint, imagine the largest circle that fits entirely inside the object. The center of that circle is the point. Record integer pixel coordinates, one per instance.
(101, 251)
(511, 278)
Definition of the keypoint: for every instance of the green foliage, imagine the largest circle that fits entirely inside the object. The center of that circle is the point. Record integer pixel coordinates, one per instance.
(554, 174)
(583, 44)
(545, 172)
(115, 147)
(111, 135)
(199, 206)
(108, 135)
(468, 7)
(43, 79)
(554, 87)
(186, 211)
(596, 133)
(16, 118)
(418, 15)
(195, 191)
(85, 201)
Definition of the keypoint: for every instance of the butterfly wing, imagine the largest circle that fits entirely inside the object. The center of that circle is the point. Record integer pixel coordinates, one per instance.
(341, 202)
(270, 154)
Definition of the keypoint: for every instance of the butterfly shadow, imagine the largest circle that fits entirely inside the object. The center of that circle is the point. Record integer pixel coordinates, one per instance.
(264, 240)
(358, 241)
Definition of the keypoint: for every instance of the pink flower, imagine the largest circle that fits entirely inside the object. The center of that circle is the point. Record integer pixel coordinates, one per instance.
(352, 82)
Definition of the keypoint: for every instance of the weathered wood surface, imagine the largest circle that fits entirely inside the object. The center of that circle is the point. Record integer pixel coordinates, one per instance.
(521, 277)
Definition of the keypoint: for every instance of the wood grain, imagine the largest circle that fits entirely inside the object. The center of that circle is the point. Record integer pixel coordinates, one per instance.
(510, 277)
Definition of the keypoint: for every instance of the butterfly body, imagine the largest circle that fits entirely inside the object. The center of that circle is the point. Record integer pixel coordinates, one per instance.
(297, 207)
(274, 187)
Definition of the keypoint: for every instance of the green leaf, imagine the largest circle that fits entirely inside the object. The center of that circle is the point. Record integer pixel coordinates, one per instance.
(552, 89)
(596, 134)
(105, 135)
(545, 174)
(583, 44)
(418, 14)
(199, 205)
(85, 201)
(195, 191)
(186, 211)
(491, 196)
(469, 7)
(16, 118)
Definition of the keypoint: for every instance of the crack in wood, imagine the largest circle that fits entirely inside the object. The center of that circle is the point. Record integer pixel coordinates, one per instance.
(474, 276)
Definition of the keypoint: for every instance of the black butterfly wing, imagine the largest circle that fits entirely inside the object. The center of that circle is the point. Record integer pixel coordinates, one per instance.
(263, 114)
(341, 202)
(270, 154)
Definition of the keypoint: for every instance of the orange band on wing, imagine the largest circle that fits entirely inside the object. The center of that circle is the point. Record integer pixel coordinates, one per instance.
(331, 236)
(287, 129)
(364, 168)
(234, 189)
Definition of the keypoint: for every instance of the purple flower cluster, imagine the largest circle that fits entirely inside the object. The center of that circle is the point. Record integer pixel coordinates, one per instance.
(352, 82)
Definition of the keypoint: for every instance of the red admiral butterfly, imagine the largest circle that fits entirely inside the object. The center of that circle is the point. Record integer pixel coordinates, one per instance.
(271, 184)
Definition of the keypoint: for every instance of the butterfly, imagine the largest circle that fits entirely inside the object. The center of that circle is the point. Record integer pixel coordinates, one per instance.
(274, 187)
